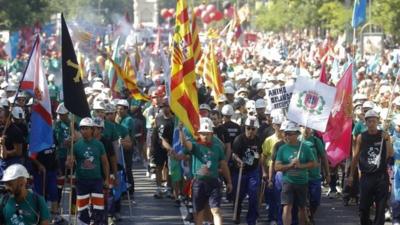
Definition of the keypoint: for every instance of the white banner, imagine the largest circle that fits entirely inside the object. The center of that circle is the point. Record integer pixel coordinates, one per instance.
(279, 98)
(311, 103)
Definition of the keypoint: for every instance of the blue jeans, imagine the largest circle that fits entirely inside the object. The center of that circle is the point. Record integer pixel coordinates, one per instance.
(248, 185)
(272, 198)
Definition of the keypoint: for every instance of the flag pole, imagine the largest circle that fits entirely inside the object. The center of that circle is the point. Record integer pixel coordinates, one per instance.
(8, 121)
(71, 154)
(385, 127)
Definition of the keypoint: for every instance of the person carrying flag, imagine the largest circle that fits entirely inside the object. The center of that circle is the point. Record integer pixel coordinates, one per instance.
(207, 157)
(294, 159)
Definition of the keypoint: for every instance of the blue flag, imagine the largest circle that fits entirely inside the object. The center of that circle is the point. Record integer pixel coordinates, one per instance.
(359, 13)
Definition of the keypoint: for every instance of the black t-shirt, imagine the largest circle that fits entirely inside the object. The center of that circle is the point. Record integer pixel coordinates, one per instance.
(248, 150)
(221, 133)
(233, 130)
(369, 151)
(265, 130)
(13, 135)
(48, 159)
(164, 129)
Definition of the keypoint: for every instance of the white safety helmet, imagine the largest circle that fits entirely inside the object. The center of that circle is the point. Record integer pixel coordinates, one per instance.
(61, 109)
(18, 113)
(368, 104)
(260, 104)
(371, 113)
(284, 125)
(98, 122)
(227, 110)
(252, 121)
(98, 105)
(229, 90)
(14, 172)
(123, 102)
(205, 107)
(206, 125)
(97, 86)
(292, 126)
(110, 108)
(86, 122)
(278, 119)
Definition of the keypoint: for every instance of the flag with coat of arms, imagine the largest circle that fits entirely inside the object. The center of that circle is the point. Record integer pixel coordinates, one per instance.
(311, 103)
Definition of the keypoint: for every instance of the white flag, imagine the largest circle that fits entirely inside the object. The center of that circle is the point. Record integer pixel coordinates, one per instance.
(311, 103)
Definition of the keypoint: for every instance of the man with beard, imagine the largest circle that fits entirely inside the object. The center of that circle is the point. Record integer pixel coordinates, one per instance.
(23, 206)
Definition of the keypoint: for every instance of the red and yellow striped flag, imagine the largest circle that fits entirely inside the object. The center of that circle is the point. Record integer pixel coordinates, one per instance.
(196, 40)
(211, 75)
(127, 74)
(183, 100)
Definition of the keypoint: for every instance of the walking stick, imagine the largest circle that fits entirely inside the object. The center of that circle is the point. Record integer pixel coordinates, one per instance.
(126, 178)
(261, 193)
(237, 193)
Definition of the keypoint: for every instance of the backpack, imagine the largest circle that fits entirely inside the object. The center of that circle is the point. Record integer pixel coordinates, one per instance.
(4, 201)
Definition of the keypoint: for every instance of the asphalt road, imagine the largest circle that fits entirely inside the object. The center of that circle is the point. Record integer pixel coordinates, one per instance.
(146, 210)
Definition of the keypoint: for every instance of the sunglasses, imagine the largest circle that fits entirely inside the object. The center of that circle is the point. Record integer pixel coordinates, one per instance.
(290, 133)
(251, 128)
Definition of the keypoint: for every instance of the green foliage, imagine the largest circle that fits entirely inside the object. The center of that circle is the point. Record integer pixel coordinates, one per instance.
(18, 13)
(386, 13)
(335, 17)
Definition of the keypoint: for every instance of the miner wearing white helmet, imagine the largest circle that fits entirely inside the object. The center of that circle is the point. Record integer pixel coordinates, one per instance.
(246, 152)
(360, 126)
(294, 160)
(62, 135)
(207, 157)
(92, 174)
(22, 206)
(232, 128)
(371, 154)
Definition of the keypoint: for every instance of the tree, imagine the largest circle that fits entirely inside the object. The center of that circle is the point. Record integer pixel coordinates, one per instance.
(387, 14)
(335, 17)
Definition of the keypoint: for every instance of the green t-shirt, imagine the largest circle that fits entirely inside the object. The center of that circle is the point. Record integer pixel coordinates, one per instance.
(88, 158)
(318, 150)
(27, 210)
(127, 122)
(205, 160)
(110, 131)
(121, 130)
(359, 127)
(285, 155)
(54, 91)
(62, 133)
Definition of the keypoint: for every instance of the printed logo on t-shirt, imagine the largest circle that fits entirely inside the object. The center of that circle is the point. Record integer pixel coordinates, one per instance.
(19, 219)
(250, 154)
(88, 161)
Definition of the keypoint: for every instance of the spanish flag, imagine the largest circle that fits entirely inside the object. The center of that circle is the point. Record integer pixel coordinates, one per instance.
(196, 40)
(184, 100)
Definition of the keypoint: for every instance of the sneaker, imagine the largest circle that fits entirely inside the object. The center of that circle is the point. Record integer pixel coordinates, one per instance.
(177, 203)
(58, 220)
(158, 194)
(111, 220)
(189, 217)
(147, 174)
(388, 215)
(153, 176)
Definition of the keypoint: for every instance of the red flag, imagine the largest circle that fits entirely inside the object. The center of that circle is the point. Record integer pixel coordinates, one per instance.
(338, 132)
(322, 76)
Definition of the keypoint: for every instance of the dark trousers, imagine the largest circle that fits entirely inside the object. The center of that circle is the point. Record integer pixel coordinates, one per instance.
(90, 202)
(374, 188)
(248, 185)
(128, 155)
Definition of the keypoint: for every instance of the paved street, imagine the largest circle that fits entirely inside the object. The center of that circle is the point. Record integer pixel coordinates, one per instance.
(149, 211)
